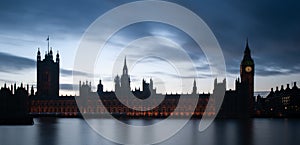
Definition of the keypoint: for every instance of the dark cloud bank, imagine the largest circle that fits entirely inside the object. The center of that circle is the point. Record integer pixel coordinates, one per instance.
(272, 27)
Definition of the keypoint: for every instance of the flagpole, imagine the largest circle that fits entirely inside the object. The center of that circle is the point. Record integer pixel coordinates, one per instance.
(48, 43)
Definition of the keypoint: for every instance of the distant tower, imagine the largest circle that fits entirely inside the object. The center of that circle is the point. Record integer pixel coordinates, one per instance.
(100, 87)
(194, 87)
(247, 78)
(151, 87)
(125, 79)
(47, 75)
(117, 83)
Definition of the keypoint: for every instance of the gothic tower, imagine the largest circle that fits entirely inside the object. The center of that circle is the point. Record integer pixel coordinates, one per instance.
(247, 78)
(47, 75)
(125, 79)
(194, 87)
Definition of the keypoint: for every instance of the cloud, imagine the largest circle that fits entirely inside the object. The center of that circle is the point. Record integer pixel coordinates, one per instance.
(203, 75)
(269, 70)
(15, 64)
(66, 72)
(7, 81)
(272, 27)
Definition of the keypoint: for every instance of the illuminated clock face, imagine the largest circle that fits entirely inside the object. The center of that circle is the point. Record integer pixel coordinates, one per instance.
(248, 69)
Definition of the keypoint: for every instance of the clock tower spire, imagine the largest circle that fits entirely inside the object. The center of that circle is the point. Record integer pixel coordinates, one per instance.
(247, 78)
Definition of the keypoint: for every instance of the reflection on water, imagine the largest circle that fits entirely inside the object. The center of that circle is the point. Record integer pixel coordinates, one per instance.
(221, 132)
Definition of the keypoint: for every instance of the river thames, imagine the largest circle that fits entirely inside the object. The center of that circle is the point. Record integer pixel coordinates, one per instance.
(74, 131)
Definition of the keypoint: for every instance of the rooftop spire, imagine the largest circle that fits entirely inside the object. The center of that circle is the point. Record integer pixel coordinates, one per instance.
(125, 62)
(194, 87)
(125, 70)
(247, 54)
(247, 49)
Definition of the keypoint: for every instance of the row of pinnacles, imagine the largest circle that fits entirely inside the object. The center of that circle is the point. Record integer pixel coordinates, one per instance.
(280, 103)
(284, 92)
(14, 108)
(122, 86)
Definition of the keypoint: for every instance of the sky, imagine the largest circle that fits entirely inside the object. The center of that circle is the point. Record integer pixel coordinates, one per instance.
(271, 26)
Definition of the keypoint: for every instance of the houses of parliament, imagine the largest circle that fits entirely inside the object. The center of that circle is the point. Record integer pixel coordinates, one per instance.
(22, 102)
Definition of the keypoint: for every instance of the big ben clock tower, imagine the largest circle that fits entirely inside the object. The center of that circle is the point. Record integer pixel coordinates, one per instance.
(247, 78)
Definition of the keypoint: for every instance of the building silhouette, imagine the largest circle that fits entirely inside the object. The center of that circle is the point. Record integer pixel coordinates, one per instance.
(46, 101)
(47, 75)
(14, 108)
(17, 105)
(283, 102)
(239, 102)
(247, 79)
(112, 100)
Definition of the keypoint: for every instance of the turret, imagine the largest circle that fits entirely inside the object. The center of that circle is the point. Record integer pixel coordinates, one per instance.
(288, 87)
(151, 84)
(295, 86)
(100, 87)
(224, 81)
(51, 53)
(27, 88)
(277, 90)
(271, 94)
(12, 89)
(46, 54)
(117, 83)
(215, 82)
(38, 57)
(32, 91)
(15, 87)
(281, 89)
(57, 57)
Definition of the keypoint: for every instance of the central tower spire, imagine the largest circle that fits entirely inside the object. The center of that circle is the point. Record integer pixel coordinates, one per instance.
(125, 79)
(125, 70)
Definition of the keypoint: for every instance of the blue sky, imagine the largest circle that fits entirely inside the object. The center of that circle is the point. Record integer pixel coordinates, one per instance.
(272, 27)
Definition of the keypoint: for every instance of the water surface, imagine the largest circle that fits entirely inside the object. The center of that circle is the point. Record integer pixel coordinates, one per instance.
(70, 131)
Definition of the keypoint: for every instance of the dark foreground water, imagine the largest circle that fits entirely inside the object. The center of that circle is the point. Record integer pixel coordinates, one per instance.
(221, 132)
